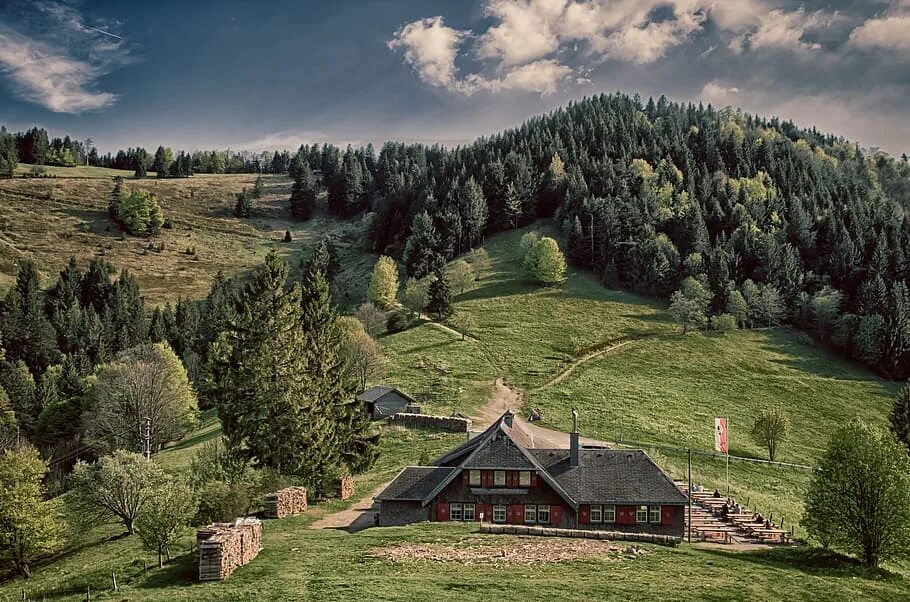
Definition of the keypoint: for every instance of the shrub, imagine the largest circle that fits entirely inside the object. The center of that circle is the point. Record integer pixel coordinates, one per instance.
(723, 323)
(398, 321)
(221, 502)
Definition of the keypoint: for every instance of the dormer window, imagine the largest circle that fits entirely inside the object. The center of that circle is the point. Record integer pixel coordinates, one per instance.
(474, 478)
(524, 478)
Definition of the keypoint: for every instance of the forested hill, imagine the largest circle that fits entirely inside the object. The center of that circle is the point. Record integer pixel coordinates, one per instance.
(772, 222)
(776, 222)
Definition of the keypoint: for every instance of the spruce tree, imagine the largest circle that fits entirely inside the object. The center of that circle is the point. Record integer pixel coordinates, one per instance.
(258, 187)
(244, 205)
(440, 304)
(303, 193)
(900, 415)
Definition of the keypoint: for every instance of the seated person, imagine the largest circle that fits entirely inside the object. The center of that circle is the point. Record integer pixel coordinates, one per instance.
(716, 494)
(724, 511)
(767, 524)
(759, 519)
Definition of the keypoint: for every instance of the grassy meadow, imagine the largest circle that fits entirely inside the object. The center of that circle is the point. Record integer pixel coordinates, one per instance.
(49, 220)
(659, 387)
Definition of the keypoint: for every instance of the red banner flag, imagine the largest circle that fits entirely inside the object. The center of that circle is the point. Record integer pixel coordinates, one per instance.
(720, 435)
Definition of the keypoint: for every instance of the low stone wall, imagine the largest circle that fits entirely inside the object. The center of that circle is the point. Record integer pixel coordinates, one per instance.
(443, 423)
(497, 529)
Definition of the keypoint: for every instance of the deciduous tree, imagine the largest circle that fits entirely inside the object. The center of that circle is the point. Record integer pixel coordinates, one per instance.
(770, 429)
(857, 500)
(545, 263)
(165, 514)
(116, 487)
(30, 526)
(384, 282)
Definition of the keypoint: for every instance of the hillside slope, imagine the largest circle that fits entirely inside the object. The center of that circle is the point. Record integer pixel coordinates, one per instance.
(49, 220)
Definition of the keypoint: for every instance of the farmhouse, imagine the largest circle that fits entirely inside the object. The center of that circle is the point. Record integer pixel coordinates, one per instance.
(499, 476)
(382, 402)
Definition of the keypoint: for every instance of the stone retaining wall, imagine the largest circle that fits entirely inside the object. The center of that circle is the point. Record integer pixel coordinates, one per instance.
(497, 529)
(443, 423)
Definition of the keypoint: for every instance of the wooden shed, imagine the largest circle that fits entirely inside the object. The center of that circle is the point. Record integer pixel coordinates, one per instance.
(382, 402)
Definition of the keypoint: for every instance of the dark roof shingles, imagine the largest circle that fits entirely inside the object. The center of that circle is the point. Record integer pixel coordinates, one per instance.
(414, 483)
(610, 476)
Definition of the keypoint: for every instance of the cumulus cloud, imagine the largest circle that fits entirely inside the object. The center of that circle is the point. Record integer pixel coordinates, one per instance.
(891, 31)
(780, 29)
(57, 60)
(719, 93)
(526, 30)
(431, 48)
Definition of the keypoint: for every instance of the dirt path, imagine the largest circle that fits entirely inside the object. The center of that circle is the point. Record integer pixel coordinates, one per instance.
(450, 330)
(357, 517)
(585, 358)
(506, 398)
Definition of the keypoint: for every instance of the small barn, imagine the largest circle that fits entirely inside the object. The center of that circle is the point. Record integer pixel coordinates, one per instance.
(382, 402)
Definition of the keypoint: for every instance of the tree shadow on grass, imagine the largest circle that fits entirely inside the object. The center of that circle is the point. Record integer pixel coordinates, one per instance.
(815, 359)
(810, 561)
(195, 440)
(181, 570)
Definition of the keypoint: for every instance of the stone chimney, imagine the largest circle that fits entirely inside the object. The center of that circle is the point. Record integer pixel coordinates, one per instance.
(573, 440)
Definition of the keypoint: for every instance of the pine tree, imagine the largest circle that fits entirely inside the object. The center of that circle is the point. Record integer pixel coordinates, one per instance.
(9, 158)
(258, 187)
(900, 415)
(440, 304)
(421, 252)
(244, 205)
(303, 193)
(474, 212)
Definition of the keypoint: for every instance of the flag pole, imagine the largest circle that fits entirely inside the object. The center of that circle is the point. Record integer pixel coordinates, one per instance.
(727, 420)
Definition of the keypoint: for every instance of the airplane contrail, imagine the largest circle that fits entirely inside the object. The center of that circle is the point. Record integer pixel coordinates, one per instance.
(107, 33)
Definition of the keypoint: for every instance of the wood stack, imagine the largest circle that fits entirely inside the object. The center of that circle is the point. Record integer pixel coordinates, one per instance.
(286, 502)
(222, 547)
(345, 487)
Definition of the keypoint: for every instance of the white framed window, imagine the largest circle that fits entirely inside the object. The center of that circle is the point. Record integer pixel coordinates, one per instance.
(499, 514)
(499, 478)
(531, 513)
(641, 514)
(468, 510)
(654, 514)
(596, 514)
(543, 514)
(524, 478)
(455, 512)
(474, 478)
(609, 514)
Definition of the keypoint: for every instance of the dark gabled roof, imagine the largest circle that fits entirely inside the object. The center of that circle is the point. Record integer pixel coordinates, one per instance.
(610, 476)
(414, 483)
(374, 393)
(499, 453)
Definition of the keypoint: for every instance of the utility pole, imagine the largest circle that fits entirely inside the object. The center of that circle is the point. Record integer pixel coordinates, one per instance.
(145, 431)
(690, 496)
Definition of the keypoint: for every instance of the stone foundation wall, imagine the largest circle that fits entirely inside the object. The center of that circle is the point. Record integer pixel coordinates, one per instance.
(578, 533)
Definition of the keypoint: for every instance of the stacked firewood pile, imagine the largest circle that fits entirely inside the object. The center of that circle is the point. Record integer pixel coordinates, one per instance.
(345, 487)
(285, 502)
(222, 547)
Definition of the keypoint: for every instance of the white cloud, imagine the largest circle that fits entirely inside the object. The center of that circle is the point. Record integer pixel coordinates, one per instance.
(526, 30)
(887, 32)
(780, 29)
(719, 93)
(541, 77)
(55, 59)
(50, 78)
(291, 140)
(431, 48)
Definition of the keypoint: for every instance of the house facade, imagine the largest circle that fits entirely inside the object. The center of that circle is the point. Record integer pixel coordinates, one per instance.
(500, 477)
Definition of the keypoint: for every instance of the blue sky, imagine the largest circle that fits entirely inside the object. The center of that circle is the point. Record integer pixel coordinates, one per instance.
(265, 75)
